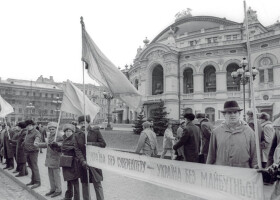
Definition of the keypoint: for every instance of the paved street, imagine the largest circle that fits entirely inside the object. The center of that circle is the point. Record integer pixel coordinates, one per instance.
(11, 190)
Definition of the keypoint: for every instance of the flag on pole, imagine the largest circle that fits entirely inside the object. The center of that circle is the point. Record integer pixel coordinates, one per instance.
(5, 108)
(102, 70)
(73, 101)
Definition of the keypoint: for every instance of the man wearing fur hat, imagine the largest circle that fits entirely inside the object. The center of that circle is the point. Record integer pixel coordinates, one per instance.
(94, 138)
(233, 142)
(206, 129)
(32, 138)
(52, 159)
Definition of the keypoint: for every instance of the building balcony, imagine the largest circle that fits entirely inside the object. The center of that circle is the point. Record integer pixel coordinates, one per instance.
(234, 94)
(187, 96)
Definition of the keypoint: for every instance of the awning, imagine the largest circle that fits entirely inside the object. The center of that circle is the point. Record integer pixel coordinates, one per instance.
(265, 104)
(150, 102)
(117, 111)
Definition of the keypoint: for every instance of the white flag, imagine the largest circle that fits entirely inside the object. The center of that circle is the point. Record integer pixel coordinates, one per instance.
(5, 108)
(73, 102)
(102, 70)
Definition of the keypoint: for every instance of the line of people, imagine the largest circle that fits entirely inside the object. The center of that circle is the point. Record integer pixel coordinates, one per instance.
(67, 151)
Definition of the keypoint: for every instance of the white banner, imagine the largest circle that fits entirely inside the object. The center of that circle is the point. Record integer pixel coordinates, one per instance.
(205, 181)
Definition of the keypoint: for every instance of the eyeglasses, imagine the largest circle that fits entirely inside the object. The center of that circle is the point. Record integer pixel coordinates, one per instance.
(231, 112)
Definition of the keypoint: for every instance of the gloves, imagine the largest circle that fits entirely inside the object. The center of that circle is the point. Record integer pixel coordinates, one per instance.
(85, 165)
(54, 144)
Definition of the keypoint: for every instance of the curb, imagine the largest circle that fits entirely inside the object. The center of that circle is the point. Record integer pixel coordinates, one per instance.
(21, 184)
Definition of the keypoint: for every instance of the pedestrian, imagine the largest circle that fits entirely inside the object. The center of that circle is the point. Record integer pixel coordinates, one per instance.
(43, 133)
(206, 129)
(1, 143)
(20, 155)
(268, 133)
(250, 121)
(69, 163)
(180, 151)
(147, 141)
(233, 142)
(31, 150)
(53, 159)
(8, 150)
(94, 138)
(13, 142)
(168, 140)
(189, 139)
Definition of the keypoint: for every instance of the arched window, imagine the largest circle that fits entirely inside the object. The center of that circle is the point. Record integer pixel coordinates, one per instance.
(136, 84)
(210, 114)
(188, 81)
(210, 79)
(157, 80)
(187, 110)
(231, 85)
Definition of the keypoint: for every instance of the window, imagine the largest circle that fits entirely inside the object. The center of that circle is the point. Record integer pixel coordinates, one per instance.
(231, 84)
(209, 40)
(193, 43)
(136, 84)
(215, 39)
(52, 96)
(234, 37)
(210, 79)
(270, 75)
(89, 92)
(157, 80)
(210, 113)
(20, 110)
(34, 94)
(228, 37)
(261, 76)
(188, 81)
(51, 111)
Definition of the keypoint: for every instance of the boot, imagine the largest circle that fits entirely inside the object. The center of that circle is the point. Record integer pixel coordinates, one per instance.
(36, 185)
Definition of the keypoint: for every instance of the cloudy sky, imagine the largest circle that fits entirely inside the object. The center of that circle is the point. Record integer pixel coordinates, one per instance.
(44, 37)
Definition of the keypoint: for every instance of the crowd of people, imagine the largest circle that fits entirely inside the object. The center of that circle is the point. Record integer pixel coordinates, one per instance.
(67, 151)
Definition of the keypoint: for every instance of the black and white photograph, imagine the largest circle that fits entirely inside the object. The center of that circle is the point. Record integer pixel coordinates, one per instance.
(133, 100)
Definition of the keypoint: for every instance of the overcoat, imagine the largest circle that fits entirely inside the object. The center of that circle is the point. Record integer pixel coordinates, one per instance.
(190, 141)
(8, 150)
(20, 155)
(94, 138)
(67, 148)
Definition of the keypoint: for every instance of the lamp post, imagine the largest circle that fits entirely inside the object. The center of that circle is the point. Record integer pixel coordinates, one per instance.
(30, 107)
(108, 96)
(242, 77)
(57, 101)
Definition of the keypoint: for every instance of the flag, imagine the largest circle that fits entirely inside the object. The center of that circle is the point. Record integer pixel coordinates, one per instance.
(102, 70)
(73, 102)
(5, 108)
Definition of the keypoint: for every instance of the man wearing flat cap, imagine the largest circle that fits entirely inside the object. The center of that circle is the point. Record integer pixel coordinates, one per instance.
(94, 138)
(206, 129)
(233, 142)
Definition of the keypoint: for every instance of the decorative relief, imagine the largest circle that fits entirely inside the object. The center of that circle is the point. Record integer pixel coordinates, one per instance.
(155, 55)
(221, 61)
(265, 61)
(197, 64)
(170, 68)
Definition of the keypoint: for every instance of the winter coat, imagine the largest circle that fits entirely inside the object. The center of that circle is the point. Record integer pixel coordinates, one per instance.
(268, 134)
(168, 139)
(147, 143)
(8, 150)
(14, 139)
(206, 129)
(32, 137)
(20, 155)
(94, 138)
(233, 147)
(67, 148)
(190, 141)
(53, 154)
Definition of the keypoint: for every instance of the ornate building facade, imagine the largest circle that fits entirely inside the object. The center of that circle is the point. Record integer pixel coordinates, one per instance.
(189, 64)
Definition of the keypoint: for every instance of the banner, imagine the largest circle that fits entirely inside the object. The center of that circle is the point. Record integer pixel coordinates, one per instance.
(205, 181)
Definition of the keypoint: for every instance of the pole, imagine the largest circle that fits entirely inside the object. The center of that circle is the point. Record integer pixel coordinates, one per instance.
(6, 125)
(83, 66)
(57, 125)
(179, 87)
(243, 82)
(252, 90)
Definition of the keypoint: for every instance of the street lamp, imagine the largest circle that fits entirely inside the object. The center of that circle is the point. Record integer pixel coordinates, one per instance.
(242, 77)
(57, 101)
(108, 96)
(30, 107)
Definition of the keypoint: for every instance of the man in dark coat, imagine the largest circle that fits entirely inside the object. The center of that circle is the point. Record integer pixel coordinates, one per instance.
(20, 155)
(8, 150)
(94, 138)
(189, 139)
(206, 129)
(31, 150)
(13, 142)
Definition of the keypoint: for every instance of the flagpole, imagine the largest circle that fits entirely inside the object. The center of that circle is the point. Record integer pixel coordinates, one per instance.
(57, 125)
(84, 97)
(6, 125)
(252, 90)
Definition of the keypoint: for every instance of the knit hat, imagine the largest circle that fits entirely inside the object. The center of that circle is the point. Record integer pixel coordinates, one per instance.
(69, 126)
(231, 106)
(82, 118)
(189, 116)
(146, 124)
(52, 124)
(22, 125)
(29, 122)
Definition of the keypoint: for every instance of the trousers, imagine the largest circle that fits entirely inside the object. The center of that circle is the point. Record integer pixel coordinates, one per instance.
(69, 192)
(32, 160)
(54, 178)
(98, 191)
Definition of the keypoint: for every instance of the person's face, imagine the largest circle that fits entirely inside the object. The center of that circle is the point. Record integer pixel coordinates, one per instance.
(30, 127)
(232, 117)
(83, 125)
(52, 130)
(68, 133)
